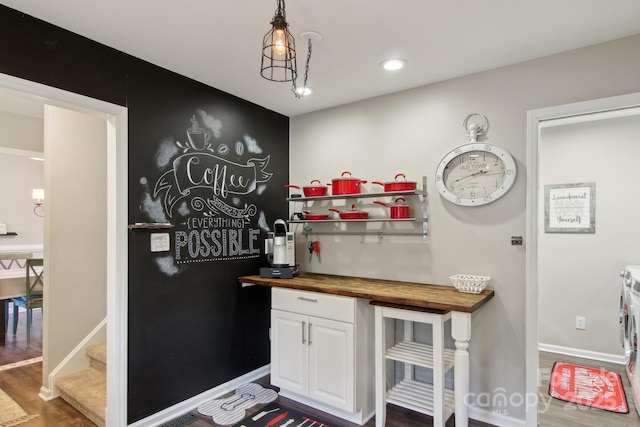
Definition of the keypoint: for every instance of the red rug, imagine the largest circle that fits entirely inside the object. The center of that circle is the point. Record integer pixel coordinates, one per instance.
(594, 387)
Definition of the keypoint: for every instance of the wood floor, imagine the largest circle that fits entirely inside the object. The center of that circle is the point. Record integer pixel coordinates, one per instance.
(554, 413)
(23, 385)
(396, 417)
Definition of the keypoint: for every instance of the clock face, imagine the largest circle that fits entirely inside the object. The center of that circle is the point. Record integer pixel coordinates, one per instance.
(475, 174)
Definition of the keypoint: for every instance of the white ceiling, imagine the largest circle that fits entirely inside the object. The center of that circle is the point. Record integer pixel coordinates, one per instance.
(218, 42)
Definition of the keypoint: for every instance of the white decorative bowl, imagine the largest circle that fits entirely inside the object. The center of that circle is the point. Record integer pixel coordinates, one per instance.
(469, 283)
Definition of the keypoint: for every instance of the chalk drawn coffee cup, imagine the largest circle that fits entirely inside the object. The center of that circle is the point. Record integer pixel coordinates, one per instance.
(198, 138)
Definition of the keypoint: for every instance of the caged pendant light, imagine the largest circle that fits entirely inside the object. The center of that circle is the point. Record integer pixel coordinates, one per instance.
(279, 50)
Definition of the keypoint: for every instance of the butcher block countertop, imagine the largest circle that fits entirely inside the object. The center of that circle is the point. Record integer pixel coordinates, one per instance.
(408, 295)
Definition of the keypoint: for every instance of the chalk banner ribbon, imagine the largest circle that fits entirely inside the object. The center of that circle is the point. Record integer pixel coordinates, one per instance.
(204, 170)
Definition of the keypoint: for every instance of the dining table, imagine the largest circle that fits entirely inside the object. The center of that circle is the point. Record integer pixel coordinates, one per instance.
(12, 283)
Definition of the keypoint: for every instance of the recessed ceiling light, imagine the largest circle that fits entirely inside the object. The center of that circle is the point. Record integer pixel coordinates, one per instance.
(304, 90)
(393, 64)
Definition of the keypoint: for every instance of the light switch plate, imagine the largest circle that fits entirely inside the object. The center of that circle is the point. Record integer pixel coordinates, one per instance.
(160, 242)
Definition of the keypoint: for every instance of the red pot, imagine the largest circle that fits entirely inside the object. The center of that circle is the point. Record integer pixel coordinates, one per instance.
(313, 190)
(398, 209)
(346, 185)
(397, 185)
(314, 217)
(352, 214)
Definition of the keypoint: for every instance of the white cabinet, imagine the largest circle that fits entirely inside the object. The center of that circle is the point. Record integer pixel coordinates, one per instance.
(321, 350)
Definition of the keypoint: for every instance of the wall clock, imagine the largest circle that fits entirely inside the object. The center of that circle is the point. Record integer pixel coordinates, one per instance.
(475, 174)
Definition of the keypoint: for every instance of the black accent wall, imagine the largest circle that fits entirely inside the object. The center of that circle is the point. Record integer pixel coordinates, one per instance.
(210, 165)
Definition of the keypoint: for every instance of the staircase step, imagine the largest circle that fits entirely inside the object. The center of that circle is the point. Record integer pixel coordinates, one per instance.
(98, 355)
(86, 391)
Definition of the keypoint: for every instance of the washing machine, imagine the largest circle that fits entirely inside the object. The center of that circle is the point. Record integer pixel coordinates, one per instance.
(633, 364)
(624, 318)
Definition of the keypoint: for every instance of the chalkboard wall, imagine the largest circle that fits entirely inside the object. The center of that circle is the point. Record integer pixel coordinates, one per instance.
(211, 165)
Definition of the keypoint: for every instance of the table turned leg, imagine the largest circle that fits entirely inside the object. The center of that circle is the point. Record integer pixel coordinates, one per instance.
(380, 368)
(461, 332)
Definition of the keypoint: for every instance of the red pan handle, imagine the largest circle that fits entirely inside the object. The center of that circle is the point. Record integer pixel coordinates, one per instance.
(382, 204)
(291, 186)
(377, 182)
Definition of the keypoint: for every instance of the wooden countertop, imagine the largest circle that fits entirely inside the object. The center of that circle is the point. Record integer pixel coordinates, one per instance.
(406, 294)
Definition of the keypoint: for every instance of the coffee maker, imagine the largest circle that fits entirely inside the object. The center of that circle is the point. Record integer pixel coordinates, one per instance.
(281, 252)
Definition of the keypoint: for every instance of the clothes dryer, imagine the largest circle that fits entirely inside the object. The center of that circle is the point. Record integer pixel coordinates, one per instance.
(633, 365)
(624, 316)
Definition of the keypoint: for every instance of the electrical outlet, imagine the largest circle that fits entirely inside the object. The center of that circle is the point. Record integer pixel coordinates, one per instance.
(581, 322)
(160, 242)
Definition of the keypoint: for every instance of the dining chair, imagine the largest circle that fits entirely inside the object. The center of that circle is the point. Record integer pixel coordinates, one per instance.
(7, 262)
(34, 287)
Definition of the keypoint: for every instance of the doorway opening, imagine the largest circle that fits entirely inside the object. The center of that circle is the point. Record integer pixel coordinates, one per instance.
(116, 230)
(613, 107)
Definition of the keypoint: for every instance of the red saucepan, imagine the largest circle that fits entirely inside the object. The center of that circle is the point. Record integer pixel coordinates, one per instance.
(398, 185)
(346, 185)
(314, 217)
(398, 209)
(313, 190)
(351, 214)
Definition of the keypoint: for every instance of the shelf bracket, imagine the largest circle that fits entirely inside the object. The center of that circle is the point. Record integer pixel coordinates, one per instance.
(425, 209)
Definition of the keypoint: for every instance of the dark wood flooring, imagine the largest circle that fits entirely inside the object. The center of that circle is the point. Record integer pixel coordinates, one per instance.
(23, 385)
(396, 417)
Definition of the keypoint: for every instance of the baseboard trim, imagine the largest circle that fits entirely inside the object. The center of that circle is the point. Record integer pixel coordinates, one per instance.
(47, 394)
(585, 354)
(188, 405)
(494, 418)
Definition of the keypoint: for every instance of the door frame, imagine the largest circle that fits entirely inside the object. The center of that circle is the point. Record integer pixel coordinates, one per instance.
(616, 106)
(117, 212)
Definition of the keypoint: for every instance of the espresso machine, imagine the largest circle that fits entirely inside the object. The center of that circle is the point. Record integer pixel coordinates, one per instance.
(281, 252)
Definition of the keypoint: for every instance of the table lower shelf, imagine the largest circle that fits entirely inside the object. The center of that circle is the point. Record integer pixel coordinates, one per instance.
(419, 354)
(418, 396)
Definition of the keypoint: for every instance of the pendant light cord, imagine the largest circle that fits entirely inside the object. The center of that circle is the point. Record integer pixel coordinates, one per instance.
(306, 71)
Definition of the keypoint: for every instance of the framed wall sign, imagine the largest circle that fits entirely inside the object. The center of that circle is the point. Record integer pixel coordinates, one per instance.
(570, 208)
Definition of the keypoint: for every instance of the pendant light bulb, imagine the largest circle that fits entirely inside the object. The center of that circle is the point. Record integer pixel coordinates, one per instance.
(279, 42)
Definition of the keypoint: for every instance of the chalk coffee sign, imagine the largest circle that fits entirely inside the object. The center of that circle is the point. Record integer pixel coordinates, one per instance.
(202, 191)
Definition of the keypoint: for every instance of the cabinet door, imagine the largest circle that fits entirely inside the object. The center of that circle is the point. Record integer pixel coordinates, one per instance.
(289, 351)
(331, 363)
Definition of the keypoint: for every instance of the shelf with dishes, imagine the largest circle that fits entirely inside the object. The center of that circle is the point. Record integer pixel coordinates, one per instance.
(399, 211)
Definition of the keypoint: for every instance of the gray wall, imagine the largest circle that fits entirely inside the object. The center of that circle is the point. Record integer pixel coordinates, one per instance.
(75, 230)
(20, 137)
(409, 132)
(19, 175)
(578, 273)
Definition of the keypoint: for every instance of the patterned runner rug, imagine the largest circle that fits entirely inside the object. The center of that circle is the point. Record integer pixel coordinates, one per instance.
(11, 414)
(584, 385)
(231, 409)
(276, 415)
